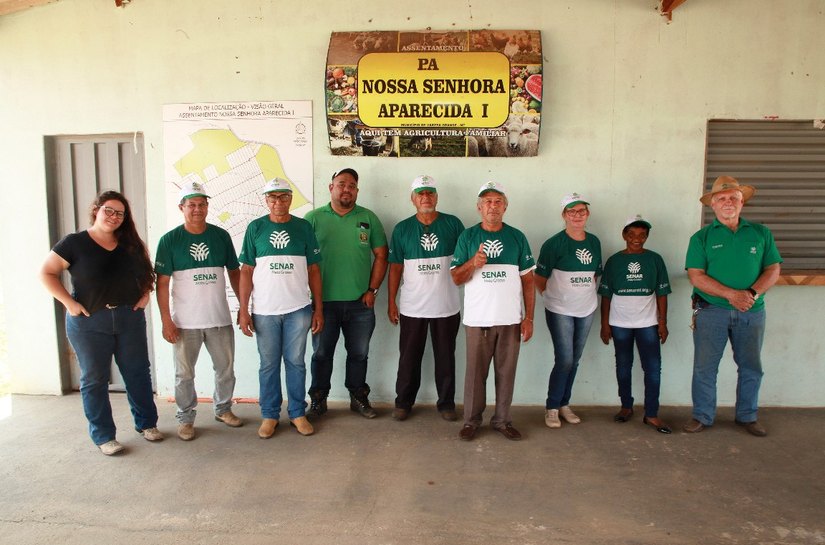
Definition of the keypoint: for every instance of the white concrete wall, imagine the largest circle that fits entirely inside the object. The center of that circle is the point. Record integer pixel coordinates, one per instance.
(627, 98)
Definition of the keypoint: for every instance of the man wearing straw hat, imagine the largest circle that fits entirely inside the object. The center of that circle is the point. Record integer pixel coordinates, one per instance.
(731, 264)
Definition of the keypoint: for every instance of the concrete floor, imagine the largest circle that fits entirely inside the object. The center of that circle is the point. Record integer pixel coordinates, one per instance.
(385, 482)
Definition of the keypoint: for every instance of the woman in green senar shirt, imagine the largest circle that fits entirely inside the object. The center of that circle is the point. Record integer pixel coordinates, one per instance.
(634, 291)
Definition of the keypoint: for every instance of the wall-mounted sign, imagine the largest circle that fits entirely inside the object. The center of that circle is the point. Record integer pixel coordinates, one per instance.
(441, 94)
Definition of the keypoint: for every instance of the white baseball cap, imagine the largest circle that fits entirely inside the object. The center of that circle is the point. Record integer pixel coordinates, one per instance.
(424, 183)
(492, 186)
(277, 185)
(572, 200)
(192, 189)
(637, 219)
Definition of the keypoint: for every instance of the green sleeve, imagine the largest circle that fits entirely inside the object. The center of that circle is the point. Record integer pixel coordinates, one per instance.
(163, 257)
(231, 256)
(248, 253)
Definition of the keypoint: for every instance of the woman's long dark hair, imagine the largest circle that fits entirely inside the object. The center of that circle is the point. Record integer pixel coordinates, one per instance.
(128, 237)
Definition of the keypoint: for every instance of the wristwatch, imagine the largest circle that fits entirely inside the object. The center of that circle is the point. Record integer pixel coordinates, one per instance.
(373, 291)
(754, 293)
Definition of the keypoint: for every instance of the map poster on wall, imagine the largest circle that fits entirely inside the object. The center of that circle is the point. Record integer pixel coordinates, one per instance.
(469, 93)
(235, 148)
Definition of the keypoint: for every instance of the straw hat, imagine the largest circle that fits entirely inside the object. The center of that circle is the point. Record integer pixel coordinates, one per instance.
(723, 183)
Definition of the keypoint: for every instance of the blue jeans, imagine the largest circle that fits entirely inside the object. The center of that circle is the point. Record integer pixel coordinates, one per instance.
(357, 322)
(282, 336)
(569, 335)
(745, 330)
(650, 352)
(120, 333)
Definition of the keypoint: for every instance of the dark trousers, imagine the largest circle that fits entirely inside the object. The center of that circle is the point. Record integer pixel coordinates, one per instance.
(357, 323)
(411, 345)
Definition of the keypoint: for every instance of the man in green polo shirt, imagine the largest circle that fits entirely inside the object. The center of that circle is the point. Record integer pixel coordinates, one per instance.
(731, 264)
(354, 247)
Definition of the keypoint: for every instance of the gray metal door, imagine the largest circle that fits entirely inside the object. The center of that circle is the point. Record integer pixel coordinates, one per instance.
(78, 167)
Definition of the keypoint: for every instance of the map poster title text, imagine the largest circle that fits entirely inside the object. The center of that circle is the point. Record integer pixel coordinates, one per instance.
(229, 110)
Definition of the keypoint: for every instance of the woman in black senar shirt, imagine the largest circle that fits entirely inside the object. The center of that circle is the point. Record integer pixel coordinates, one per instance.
(112, 277)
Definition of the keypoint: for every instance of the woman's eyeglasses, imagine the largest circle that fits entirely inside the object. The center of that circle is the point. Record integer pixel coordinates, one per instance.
(109, 211)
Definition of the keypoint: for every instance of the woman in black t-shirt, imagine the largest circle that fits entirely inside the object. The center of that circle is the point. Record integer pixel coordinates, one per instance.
(112, 277)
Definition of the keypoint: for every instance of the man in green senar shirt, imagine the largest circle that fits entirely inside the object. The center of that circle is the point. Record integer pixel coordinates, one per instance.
(191, 292)
(731, 264)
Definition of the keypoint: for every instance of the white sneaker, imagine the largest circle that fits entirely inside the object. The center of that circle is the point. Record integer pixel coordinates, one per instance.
(111, 448)
(152, 434)
(569, 416)
(551, 418)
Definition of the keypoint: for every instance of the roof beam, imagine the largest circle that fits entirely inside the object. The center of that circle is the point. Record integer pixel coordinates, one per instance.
(10, 6)
(666, 7)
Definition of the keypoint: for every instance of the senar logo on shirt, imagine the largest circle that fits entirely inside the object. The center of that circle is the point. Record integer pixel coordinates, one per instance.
(429, 268)
(279, 239)
(584, 256)
(493, 248)
(199, 251)
(494, 276)
(204, 278)
(634, 269)
(429, 241)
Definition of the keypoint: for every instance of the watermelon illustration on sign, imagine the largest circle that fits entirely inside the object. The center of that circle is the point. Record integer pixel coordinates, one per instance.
(533, 86)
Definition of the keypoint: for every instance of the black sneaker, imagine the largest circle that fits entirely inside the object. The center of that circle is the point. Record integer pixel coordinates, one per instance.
(361, 405)
(317, 407)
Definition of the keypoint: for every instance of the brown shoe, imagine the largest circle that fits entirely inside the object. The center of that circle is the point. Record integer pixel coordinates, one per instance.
(400, 414)
(467, 432)
(657, 423)
(510, 432)
(754, 428)
(229, 419)
(693, 426)
(623, 415)
(568, 415)
(449, 415)
(152, 434)
(302, 425)
(267, 428)
(186, 431)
